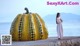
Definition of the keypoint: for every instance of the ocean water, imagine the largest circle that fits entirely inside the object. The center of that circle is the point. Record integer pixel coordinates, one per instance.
(5, 28)
(68, 29)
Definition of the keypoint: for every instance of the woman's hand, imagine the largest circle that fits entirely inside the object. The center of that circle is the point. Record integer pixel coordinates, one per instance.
(61, 20)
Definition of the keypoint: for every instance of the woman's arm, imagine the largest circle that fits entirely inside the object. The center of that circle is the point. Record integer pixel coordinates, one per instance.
(61, 20)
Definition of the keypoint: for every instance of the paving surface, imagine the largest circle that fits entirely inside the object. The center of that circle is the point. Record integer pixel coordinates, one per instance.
(51, 41)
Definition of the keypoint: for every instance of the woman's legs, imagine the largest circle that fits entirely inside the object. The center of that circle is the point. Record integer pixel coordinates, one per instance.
(59, 31)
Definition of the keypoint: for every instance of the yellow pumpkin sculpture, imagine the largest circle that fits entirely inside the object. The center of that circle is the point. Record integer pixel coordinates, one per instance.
(28, 26)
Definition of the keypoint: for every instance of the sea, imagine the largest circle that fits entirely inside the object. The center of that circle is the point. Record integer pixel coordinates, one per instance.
(68, 29)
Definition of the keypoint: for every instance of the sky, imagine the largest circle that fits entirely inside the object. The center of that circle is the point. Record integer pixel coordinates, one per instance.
(9, 9)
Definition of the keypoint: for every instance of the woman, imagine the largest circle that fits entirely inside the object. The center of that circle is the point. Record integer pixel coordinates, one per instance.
(59, 26)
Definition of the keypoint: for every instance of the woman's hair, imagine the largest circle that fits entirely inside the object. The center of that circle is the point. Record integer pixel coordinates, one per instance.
(58, 14)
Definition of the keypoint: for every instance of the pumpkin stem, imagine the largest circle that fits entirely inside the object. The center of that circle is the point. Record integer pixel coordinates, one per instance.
(27, 11)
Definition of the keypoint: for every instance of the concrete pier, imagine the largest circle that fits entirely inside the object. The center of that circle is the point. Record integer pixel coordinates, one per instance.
(51, 41)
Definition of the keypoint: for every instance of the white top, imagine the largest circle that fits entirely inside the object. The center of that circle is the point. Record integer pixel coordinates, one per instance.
(59, 21)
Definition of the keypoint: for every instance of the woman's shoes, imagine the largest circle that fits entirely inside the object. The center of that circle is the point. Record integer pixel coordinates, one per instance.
(59, 38)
